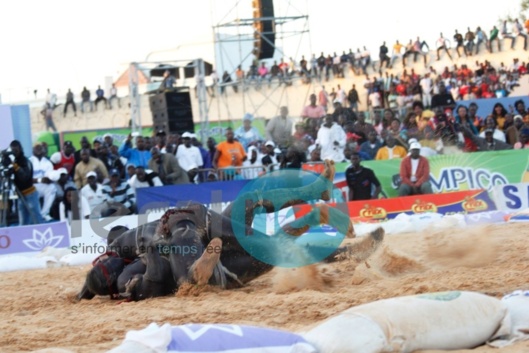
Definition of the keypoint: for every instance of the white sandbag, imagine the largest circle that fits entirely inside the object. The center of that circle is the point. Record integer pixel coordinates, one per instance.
(212, 338)
(446, 320)
(517, 304)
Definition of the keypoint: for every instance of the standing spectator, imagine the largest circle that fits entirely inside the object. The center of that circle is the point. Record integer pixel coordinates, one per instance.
(88, 164)
(69, 101)
(253, 165)
(383, 56)
(168, 81)
(323, 98)
(138, 156)
(93, 193)
(227, 81)
(353, 99)
(247, 134)
(415, 173)
(397, 53)
(229, 154)
(85, 99)
(458, 39)
(167, 167)
(361, 181)
(279, 129)
(48, 118)
(189, 157)
(469, 38)
(426, 84)
(42, 169)
(113, 95)
(442, 44)
(51, 100)
(100, 96)
(331, 138)
(313, 111)
(28, 206)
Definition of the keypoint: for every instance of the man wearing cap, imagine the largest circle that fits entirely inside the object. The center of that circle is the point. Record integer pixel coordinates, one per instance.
(64, 158)
(487, 143)
(139, 156)
(167, 167)
(22, 169)
(42, 168)
(189, 157)
(247, 134)
(88, 164)
(415, 173)
(93, 191)
(118, 191)
(279, 129)
(512, 133)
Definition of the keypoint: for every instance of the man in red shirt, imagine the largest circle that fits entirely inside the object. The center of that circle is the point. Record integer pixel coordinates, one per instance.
(415, 173)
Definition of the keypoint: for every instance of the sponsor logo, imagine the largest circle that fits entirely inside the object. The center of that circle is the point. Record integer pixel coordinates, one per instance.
(423, 207)
(472, 205)
(373, 212)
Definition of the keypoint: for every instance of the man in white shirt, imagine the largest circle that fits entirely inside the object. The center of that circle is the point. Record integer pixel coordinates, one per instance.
(144, 178)
(253, 165)
(189, 157)
(331, 139)
(93, 192)
(42, 168)
(426, 86)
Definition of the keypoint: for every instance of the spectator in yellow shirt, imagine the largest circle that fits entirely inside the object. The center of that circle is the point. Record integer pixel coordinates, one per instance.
(391, 150)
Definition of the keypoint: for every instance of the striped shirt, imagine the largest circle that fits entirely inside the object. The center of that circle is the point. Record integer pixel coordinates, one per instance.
(123, 194)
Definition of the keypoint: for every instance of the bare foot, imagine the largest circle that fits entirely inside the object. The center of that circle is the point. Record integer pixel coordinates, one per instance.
(203, 268)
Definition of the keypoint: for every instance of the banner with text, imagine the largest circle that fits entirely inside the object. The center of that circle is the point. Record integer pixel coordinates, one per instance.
(34, 238)
(458, 172)
(511, 197)
(460, 202)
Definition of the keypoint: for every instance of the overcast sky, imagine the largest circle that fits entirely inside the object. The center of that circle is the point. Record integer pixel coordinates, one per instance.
(61, 44)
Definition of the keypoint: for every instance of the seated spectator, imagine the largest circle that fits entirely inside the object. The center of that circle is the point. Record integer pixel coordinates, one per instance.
(113, 95)
(65, 207)
(498, 114)
(144, 178)
(88, 164)
(85, 99)
(415, 173)
(167, 167)
(64, 158)
(391, 150)
(61, 180)
(93, 193)
(371, 146)
(512, 134)
(490, 124)
(524, 139)
(131, 171)
(119, 195)
(42, 168)
(488, 143)
(294, 158)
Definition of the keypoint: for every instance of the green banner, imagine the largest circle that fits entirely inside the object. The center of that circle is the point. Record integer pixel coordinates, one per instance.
(217, 129)
(459, 172)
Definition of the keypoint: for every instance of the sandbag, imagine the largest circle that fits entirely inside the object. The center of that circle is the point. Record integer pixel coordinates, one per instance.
(445, 321)
(212, 338)
(517, 304)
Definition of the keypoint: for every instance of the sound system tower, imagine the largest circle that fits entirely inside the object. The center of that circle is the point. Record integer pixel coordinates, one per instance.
(171, 112)
(265, 36)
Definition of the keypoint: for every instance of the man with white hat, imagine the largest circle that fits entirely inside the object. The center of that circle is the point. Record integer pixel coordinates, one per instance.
(189, 156)
(93, 191)
(415, 173)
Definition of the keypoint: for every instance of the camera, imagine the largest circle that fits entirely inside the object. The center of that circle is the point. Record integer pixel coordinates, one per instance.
(7, 161)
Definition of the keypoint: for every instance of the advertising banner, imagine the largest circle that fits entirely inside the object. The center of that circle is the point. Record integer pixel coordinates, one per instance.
(458, 172)
(511, 197)
(461, 202)
(34, 238)
(119, 135)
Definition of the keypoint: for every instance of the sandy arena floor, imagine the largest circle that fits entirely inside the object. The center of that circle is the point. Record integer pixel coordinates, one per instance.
(37, 311)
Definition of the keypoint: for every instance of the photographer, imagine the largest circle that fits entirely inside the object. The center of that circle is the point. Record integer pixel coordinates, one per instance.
(16, 164)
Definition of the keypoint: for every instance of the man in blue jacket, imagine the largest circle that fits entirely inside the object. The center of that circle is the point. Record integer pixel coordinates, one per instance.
(139, 156)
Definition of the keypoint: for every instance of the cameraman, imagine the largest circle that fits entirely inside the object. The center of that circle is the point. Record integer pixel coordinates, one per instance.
(18, 165)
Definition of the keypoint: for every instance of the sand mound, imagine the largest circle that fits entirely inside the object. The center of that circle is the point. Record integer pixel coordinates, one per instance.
(193, 290)
(302, 278)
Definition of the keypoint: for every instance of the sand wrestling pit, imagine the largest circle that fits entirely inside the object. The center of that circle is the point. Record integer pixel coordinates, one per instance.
(38, 311)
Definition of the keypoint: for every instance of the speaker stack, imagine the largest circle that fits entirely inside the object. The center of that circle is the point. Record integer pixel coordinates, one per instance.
(265, 36)
(171, 112)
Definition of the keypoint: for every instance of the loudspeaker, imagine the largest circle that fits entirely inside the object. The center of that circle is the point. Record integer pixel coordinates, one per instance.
(172, 112)
(264, 43)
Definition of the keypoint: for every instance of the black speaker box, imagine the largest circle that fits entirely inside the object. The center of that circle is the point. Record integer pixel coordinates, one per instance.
(265, 39)
(172, 112)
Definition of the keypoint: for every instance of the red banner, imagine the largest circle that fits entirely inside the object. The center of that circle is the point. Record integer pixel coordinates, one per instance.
(462, 202)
